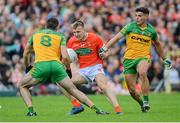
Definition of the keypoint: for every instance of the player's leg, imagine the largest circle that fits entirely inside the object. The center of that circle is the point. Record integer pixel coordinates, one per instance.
(38, 73)
(24, 85)
(131, 81)
(60, 76)
(142, 69)
(67, 84)
(77, 107)
(130, 73)
(101, 81)
(73, 100)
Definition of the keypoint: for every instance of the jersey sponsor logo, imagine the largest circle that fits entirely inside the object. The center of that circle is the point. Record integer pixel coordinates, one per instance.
(140, 39)
(83, 51)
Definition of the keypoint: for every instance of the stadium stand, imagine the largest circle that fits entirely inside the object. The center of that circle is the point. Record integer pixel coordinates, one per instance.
(20, 18)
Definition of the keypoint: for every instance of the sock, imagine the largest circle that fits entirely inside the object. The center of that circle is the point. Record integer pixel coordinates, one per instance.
(30, 109)
(141, 103)
(117, 109)
(95, 108)
(75, 103)
(146, 98)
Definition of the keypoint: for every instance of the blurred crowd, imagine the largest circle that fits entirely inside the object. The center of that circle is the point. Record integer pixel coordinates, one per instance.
(20, 18)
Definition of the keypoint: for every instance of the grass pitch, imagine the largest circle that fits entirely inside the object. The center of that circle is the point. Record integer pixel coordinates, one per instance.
(164, 108)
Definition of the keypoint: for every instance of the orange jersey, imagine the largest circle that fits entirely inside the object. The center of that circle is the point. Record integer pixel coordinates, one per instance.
(46, 44)
(87, 50)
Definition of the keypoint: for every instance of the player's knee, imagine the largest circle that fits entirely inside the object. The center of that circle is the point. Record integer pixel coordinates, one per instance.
(103, 86)
(142, 74)
(132, 92)
(75, 81)
(20, 85)
(24, 86)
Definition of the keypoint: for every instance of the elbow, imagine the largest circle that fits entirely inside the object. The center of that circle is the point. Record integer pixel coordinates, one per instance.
(157, 43)
(25, 55)
(67, 59)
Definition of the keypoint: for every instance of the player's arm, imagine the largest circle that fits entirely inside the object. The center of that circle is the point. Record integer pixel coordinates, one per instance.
(26, 56)
(159, 49)
(124, 31)
(160, 52)
(101, 44)
(116, 38)
(74, 67)
(104, 52)
(65, 57)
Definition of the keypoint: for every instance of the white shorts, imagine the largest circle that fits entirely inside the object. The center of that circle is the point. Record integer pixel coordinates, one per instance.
(89, 73)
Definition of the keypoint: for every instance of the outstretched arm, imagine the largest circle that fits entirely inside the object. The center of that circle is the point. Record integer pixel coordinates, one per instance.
(104, 52)
(116, 38)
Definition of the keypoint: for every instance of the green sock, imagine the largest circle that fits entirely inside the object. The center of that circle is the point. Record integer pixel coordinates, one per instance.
(141, 103)
(95, 108)
(30, 109)
(146, 98)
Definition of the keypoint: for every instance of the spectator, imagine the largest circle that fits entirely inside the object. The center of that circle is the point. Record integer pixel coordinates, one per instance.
(19, 19)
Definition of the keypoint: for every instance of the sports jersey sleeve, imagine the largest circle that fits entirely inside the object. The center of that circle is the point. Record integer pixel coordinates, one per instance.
(126, 29)
(63, 40)
(99, 42)
(30, 41)
(69, 43)
(155, 36)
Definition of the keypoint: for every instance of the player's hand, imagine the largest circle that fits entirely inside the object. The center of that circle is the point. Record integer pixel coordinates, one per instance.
(28, 68)
(102, 52)
(167, 63)
(104, 55)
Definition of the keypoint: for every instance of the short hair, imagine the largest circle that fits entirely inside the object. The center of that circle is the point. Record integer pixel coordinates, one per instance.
(52, 23)
(143, 9)
(78, 23)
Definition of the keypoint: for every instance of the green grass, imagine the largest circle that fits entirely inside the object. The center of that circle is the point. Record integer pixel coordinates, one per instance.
(164, 108)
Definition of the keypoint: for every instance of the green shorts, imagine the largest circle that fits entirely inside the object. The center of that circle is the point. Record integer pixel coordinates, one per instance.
(130, 65)
(48, 70)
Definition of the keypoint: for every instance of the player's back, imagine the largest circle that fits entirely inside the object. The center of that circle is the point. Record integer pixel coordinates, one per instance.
(46, 44)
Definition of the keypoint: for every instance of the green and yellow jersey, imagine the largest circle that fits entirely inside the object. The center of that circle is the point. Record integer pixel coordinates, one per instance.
(46, 44)
(138, 40)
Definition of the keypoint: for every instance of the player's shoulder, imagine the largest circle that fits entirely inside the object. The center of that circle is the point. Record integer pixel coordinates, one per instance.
(94, 36)
(72, 39)
(133, 23)
(151, 28)
(49, 31)
(91, 34)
